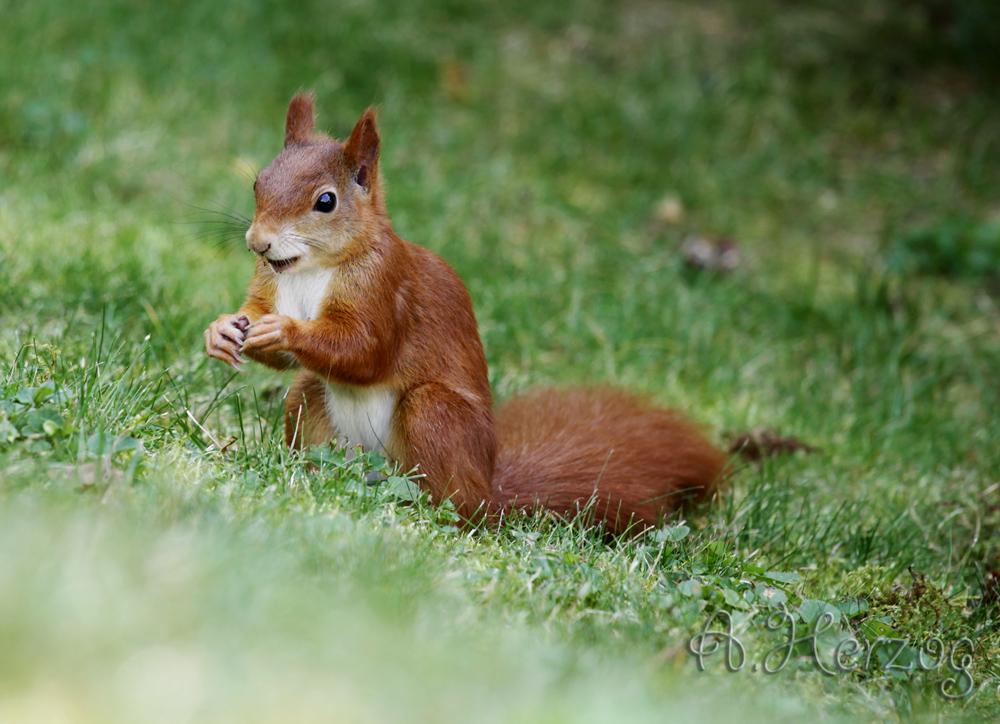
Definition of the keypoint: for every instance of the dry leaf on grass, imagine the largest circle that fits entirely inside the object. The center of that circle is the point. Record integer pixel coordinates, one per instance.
(722, 255)
(669, 210)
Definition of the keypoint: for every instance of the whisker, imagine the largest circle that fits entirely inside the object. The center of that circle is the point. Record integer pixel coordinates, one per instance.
(222, 242)
(217, 234)
(243, 169)
(221, 229)
(214, 222)
(225, 230)
(235, 216)
(308, 241)
(233, 213)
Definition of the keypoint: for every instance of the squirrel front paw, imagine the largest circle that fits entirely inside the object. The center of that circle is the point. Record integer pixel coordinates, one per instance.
(270, 333)
(225, 337)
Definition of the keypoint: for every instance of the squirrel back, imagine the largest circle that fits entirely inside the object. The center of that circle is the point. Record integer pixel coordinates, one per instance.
(388, 349)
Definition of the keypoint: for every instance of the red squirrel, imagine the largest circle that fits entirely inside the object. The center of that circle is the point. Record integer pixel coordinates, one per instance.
(389, 357)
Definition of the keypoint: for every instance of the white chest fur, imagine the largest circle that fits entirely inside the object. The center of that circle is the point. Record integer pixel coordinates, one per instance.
(299, 294)
(361, 415)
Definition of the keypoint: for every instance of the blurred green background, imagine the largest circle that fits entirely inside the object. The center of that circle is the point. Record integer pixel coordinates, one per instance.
(558, 155)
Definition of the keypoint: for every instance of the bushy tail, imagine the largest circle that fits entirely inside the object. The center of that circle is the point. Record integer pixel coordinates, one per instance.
(604, 451)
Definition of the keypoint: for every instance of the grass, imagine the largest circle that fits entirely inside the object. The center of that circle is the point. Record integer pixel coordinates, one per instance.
(146, 572)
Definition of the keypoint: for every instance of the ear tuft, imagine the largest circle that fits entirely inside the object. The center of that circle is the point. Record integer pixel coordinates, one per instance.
(361, 149)
(301, 118)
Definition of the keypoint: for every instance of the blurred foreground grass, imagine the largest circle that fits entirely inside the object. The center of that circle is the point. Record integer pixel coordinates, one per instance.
(557, 157)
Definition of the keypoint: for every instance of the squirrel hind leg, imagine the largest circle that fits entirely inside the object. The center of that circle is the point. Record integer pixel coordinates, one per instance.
(451, 441)
(307, 421)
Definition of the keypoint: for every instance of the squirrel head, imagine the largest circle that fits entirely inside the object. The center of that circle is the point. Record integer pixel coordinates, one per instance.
(320, 201)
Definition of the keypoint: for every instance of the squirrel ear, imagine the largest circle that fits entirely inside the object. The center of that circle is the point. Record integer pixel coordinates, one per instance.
(301, 119)
(361, 149)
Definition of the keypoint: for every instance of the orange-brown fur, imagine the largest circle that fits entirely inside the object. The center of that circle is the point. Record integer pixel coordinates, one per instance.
(395, 318)
(624, 460)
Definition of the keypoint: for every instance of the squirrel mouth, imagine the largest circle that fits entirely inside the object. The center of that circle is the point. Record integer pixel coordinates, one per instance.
(280, 265)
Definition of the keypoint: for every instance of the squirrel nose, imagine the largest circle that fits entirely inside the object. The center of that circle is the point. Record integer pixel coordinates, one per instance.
(255, 244)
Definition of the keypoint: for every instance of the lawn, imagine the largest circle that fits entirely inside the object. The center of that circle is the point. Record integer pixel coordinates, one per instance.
(164, 558)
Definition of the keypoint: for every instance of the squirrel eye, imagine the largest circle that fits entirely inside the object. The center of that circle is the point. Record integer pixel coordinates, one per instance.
(326, 202)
